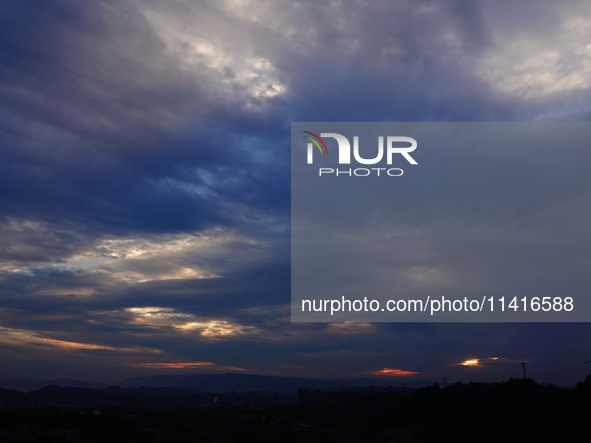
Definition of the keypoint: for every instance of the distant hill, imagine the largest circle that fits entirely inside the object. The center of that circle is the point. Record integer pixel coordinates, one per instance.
(249, 382)
(227, 382)
(30, 384)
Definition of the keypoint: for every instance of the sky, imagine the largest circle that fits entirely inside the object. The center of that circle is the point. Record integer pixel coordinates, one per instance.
(145, 178)
(491, 213)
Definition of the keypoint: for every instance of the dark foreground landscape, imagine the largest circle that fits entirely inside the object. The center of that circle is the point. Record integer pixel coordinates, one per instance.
(513, 411)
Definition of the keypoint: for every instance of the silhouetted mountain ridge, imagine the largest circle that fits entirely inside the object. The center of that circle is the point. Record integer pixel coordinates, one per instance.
(247, 382)
(31, 384)
(230, 381)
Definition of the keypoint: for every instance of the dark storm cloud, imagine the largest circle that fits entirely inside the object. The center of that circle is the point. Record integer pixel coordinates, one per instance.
(94, 104)
(406, 60)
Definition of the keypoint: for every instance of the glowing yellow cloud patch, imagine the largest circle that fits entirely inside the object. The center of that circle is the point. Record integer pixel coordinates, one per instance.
(484, 360)
(131, 260)
(169, 317)
(213, 328)
(471, 362)
(149, 311)
(393, 372)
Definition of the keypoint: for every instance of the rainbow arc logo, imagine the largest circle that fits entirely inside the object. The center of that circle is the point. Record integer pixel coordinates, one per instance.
(317, 140)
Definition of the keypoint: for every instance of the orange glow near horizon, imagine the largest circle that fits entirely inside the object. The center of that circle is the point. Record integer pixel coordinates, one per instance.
(475, 362)
(393, 372)
(74, 345)
(25, 337)
(471, 362)
(232, 368)
(188, 365)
